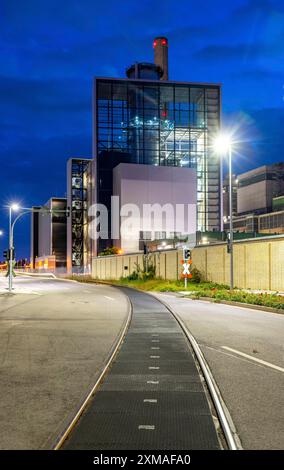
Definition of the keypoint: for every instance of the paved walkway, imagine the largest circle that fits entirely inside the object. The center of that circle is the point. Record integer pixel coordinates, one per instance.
(153, 397)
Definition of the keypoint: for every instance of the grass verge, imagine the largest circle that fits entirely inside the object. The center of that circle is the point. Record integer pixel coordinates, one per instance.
(217, 292)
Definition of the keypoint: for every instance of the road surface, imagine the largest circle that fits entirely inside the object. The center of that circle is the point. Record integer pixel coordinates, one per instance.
(55, 337)
(244, 349)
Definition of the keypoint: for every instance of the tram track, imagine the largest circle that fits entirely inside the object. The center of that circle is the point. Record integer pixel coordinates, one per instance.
(155, 392)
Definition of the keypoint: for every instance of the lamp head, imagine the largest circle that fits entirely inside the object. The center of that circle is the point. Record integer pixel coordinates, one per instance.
(15, 207)
(222, 143)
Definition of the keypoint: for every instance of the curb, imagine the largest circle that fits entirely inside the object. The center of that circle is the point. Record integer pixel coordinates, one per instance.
(262, 308)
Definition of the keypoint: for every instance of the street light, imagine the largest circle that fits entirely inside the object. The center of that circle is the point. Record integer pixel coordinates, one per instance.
(14, 207)
(223, 145)
(26, 210)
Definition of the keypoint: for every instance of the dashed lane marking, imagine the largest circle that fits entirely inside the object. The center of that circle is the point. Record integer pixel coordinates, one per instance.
(147, 427)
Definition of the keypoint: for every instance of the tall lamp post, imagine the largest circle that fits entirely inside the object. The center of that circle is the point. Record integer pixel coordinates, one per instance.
(12, 207)
(27, 210)
(223, 145)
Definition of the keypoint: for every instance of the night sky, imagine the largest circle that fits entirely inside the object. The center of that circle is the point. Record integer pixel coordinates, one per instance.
(50, 50)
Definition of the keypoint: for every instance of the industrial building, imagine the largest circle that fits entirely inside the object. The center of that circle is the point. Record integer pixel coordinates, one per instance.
(258, 187)
(152, 144)
(146, 119)
(79, 194)
(258, 205)
(48, 235)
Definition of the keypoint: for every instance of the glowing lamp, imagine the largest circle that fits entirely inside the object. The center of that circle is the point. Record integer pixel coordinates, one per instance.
(222, 143)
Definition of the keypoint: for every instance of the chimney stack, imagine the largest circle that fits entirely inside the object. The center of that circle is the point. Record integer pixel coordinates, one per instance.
(160, 45)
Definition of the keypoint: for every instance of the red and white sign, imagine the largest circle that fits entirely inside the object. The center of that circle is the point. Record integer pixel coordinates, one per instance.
(186, 269)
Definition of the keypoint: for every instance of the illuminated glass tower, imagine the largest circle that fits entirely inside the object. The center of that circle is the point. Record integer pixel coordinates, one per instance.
(147, 119)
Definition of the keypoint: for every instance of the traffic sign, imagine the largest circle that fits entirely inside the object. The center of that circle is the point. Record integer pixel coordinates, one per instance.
(187, 253)
(186, 264)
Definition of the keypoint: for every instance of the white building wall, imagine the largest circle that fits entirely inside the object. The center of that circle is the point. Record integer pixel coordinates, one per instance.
(145, 184)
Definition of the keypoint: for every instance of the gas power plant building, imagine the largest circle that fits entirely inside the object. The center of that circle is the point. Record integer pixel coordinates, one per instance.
(152, 144)
(146, 119)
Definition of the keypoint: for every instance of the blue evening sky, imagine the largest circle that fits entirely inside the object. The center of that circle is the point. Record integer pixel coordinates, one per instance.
(50, 50)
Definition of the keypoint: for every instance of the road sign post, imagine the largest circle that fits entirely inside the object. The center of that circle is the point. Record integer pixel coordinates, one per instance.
(186, 263)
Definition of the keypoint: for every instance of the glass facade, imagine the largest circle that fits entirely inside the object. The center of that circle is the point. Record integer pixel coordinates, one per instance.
(272, 221)
(78, 194)
(58, 221)
(159, 123)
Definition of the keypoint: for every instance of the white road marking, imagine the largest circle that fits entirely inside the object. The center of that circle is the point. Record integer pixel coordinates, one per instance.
(153, 367)
(255, 359)
(148, 427)
(150, 400)
(155, 357)
(155, 340)
(152, 381)
(154, 335)
(155, 347)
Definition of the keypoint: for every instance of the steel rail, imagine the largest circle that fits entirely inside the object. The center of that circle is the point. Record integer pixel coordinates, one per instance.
(224, 416)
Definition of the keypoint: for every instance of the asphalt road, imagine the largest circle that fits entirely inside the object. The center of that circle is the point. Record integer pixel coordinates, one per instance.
(252, 390)
(55, 337)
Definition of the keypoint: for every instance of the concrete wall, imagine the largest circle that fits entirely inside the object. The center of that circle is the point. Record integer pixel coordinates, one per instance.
(167, 263)
(258, 264)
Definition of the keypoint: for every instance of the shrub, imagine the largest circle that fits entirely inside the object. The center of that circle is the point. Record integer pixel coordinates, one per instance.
(147, 272)
(112, 250)
(196, 276)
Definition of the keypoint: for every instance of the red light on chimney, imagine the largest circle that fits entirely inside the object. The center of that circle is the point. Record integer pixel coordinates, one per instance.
(164, 113)
(164, 42)
(154, 43)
